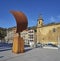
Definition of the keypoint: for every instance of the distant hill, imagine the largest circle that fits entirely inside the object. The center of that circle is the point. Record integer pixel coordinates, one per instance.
(33, 27)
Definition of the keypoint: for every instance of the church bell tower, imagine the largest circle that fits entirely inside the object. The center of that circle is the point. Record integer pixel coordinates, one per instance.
(40, 22)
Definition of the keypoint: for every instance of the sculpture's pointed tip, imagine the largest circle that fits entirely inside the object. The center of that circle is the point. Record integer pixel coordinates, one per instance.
(21, 20)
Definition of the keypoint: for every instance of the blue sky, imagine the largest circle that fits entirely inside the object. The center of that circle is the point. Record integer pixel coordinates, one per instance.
(50, 10)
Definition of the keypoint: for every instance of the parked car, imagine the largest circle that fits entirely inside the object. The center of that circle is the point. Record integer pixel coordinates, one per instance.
(52, 45)
(39, 45)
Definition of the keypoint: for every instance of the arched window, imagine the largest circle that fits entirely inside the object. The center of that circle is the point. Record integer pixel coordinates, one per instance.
(54, 30)
(39, 22)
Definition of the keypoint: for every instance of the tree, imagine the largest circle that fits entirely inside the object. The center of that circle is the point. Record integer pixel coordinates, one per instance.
(2, 33)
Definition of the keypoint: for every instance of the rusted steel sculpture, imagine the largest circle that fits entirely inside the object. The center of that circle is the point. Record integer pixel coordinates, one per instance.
(21, 20)
(18, 42)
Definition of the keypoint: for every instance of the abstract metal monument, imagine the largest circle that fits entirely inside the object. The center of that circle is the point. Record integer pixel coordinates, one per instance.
(22, 23)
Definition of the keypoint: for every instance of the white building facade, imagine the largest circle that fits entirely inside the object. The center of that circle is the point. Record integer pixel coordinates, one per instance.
(29, 36)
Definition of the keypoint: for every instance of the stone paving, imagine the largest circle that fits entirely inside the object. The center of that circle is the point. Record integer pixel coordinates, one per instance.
(35, 54)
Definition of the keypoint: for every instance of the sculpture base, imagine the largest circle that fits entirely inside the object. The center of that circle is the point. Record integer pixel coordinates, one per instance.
(18, 44)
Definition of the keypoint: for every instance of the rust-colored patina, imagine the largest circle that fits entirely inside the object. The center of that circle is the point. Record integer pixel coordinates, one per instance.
(18, 42)
(21, 20)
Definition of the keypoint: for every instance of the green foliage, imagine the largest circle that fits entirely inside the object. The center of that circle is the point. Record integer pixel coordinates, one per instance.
(2, 33)
(35, 30)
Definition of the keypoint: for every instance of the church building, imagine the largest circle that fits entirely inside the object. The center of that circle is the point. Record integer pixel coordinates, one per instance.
(48, 34)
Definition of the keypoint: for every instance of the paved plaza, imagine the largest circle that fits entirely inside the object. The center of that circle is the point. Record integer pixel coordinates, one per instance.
(35, 54)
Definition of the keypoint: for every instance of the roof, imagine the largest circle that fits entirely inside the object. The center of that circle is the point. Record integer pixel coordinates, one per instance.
(50, 24)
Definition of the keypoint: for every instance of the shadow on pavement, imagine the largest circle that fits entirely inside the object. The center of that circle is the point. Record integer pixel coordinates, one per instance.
(8, 46)
(1, 56)
(4, 50)
(5, 47)
(26, 50)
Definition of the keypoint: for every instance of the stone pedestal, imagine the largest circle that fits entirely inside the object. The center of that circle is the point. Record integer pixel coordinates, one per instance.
(18, 44)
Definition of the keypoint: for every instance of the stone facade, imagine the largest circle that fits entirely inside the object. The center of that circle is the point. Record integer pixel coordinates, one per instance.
(48, 33)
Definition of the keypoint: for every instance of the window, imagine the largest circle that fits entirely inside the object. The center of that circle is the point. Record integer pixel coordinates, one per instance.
(31, 36)
(54, 30)
(30, 31)
(31, 40)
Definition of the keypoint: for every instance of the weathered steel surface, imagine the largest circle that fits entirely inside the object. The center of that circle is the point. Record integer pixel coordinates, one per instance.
(21, 20)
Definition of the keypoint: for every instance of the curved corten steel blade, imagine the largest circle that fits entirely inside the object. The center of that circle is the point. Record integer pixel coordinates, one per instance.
(21, 20)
